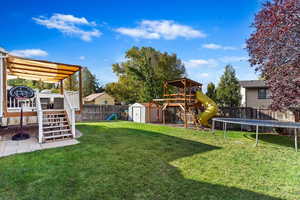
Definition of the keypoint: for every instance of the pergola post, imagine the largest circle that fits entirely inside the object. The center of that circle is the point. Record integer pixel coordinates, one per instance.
(80, 88)
(61, 86)
(5, 87)
(70, 82)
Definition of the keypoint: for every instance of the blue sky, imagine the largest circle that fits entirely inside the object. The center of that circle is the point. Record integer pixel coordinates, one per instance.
(206, 35)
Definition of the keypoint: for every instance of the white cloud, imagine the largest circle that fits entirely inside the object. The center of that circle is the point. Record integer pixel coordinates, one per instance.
(156, 29)
(194, 63)
(217, 46)
(70, 25)
(29, 53)
(82, 58)
(213, 62)
(228, 59)
(204, 75)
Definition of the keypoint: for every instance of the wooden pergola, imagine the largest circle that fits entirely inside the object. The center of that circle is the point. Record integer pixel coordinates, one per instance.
(39, 70)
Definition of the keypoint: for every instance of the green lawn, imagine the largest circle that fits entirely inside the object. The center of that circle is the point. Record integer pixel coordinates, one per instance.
(123, 160)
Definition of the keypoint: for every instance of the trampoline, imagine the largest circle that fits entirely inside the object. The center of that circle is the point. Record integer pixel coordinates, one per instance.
(257, 124)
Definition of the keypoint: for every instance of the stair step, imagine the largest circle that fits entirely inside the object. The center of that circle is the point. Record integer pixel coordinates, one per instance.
(55, 111)
(54, 117)
(59, 126)
(57, 136)
(56, 122)
(58, 119)
(57, 131)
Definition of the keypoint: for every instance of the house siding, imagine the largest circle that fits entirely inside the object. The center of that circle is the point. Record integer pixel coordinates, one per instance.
(253, 101)
(105, 98)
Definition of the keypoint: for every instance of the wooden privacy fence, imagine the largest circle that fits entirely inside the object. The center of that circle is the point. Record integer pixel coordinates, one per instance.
(102, 112)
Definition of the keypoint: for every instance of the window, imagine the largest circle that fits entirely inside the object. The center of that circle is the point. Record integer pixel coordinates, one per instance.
(262, 93)
(105, 102)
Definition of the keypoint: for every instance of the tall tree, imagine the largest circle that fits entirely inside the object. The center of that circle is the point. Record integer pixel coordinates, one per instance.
(90, 83)
(211, 91)
(228, 91)
(71, 83)
(274, 49)
(144, 72)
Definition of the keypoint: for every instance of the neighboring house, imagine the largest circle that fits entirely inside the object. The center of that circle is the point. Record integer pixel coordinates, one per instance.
(99, 99)
(255, 94)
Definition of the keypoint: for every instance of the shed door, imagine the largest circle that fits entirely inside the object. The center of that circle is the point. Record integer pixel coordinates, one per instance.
(136, 112)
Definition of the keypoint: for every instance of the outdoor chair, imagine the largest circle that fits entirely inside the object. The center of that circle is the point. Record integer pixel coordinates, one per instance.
(45, 103)
(58, 103)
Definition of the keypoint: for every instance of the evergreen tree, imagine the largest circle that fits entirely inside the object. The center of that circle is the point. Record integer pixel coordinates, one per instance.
(90, 83)
(228, 91)
(211, 91)
(71, 83)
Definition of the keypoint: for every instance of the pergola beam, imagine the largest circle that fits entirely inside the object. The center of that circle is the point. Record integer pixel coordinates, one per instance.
(41, 69)
(13, 71)
(35, 77)
(44, 67)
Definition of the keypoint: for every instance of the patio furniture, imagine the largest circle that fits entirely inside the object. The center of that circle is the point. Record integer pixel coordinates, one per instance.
(58, 103)
(45, 103)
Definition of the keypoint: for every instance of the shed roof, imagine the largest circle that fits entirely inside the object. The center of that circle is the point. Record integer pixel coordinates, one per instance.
(39, 69)
(253, 84)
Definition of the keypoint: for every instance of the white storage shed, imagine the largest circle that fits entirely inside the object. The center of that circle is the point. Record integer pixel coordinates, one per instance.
(144, 113)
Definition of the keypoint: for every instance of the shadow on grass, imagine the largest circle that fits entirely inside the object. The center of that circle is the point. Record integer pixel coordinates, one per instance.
(114, 163)
(141, 162)
(286, 141)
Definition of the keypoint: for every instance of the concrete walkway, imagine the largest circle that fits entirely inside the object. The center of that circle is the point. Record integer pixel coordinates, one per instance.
(10, 147)
(13, 147)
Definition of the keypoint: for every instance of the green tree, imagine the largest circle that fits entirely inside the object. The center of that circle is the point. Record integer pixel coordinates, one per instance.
(211, 91)
(228, 91)
(143, 73)
(31, 83)
(90, 83)
(71, 83)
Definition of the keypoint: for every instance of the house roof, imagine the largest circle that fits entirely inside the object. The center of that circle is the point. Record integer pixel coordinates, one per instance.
(253, 84)
(93, 96)
(39, 69)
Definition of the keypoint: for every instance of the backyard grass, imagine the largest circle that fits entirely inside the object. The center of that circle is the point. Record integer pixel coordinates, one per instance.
(124, 160)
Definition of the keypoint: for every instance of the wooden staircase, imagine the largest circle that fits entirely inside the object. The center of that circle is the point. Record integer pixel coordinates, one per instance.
(56, 126)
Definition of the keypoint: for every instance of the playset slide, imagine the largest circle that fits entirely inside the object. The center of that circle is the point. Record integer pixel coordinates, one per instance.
(210, 106)
(113, 116)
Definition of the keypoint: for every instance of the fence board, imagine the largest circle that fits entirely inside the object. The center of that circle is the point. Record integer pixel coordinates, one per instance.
(101, 112)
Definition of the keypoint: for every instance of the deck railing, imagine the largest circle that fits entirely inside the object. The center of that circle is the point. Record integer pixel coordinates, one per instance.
(28, 104)
(14, 105)
(70, 109)
(73, 97)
